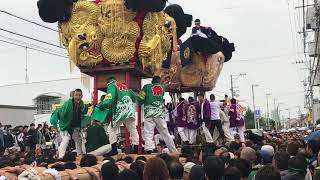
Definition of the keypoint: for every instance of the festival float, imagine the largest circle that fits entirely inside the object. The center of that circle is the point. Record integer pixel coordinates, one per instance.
(137, 39)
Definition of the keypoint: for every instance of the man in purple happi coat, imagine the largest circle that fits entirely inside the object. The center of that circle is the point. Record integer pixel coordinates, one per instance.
(236, 119)
(192, 126)
(204, 116)
(181, 120)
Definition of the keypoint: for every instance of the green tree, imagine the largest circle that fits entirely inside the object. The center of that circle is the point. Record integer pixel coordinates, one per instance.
(272, 124)
(249, 118)
(263, 123)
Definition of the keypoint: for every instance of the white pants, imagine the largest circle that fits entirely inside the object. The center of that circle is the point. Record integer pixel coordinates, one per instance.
(130, 125)
(240, 131)
(182, 133)
(148, 132)
(192, 135)
(206, 133)
(228, 136)
(65, 136)
(102, 150)
(227, 133)
(158, 138)
(188, 134)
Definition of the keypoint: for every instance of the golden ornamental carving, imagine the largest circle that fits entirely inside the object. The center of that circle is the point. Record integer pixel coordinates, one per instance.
(155, 43)
(81, 36)
(108, 31)
(171, 77)
(119, 30)
(186, 53)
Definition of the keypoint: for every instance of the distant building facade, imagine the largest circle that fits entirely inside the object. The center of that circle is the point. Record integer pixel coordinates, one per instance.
(32, 102)
(17, 115)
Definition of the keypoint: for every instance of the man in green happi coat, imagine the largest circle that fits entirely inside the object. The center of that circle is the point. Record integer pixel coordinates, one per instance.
(70, 116)
(154, 112)
(120, 103)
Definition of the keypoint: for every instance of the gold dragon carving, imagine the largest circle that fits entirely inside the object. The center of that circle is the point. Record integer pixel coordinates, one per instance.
(155, 43)
(171, 77)
(119, 30)
(108, 30)
(81, 36)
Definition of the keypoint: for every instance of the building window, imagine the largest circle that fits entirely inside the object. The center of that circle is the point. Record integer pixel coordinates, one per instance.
(44, 103)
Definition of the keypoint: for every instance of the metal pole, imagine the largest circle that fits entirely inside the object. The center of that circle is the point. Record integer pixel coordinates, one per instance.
(232, 93)
(268, 121)
(304, 26)
(258, 122)
(274, 111)
(26, 65)
(254, 108)
(311, 72)
(279, 111)
(312, 108)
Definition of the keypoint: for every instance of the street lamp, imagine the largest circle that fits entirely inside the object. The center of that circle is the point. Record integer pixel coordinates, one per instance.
(254, 107)
(268, 117)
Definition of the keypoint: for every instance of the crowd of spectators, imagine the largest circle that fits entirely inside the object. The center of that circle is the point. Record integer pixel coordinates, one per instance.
(275, 156)
(26, 138)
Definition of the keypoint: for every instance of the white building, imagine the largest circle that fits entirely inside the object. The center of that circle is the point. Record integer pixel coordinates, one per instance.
(38, 96)
(17, 115)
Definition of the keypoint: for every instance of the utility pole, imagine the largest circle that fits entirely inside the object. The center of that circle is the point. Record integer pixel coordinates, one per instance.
(26, 65)
(258, 120)
(275, 113)
(268, 117)
(233, 78)
(254, 106)
(232, 92)
(279, 115)
(304, 26)
(289, 118)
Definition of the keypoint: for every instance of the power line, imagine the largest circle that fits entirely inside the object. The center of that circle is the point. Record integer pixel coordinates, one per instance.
(27, 20)
(38, 82)
(266, 58)
(31, 38)
(291, 30)
(32, 48)
(36, 46)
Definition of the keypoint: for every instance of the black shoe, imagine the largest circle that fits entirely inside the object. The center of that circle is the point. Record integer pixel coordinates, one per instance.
(111, 153)
(114, 150)
(135, 149)
(147, 152)
(155, 151)
(186, 143)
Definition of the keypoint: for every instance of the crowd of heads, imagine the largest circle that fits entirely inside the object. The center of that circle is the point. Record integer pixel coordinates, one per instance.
(275, 156)
(18, 144)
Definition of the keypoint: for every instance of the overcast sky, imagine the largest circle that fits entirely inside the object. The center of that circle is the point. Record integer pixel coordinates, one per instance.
(264, 32)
